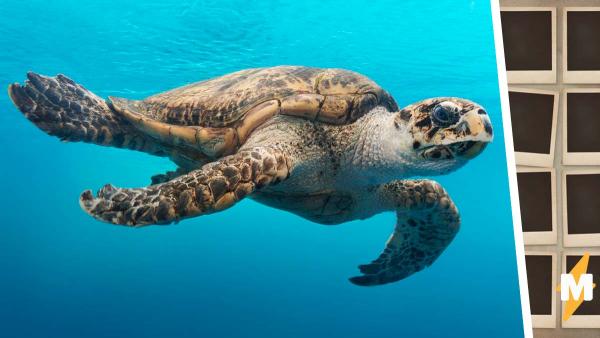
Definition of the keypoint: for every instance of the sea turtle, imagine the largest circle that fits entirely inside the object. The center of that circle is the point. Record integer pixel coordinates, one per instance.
(329, 145)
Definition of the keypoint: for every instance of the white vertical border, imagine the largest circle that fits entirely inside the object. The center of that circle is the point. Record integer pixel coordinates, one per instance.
(512, 169)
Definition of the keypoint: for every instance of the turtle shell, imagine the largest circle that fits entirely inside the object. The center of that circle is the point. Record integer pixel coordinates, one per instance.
(218, 115)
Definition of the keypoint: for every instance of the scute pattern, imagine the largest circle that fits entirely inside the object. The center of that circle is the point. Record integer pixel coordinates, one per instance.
(224, 100)
(217, 116)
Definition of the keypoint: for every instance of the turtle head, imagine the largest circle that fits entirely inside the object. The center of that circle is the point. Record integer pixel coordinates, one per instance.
(444, 133)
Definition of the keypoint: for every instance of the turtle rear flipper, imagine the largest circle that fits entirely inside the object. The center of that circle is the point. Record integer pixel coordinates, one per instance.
(67, 110)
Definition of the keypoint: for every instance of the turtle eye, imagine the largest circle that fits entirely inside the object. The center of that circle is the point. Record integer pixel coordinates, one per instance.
(444, 115)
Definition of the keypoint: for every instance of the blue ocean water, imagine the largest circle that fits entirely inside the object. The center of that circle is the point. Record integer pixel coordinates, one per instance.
(251, 271)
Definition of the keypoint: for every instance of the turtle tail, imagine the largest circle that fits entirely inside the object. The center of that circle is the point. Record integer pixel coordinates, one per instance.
(67, 110)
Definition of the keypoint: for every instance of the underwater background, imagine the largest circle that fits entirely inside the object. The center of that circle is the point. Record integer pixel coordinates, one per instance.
(251, 271)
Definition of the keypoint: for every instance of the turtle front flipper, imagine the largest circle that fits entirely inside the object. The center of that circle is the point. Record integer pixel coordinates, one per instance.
(427, 222)
(214, 187)
(65, 109)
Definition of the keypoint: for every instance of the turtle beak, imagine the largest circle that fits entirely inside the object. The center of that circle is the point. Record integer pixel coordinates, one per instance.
(479, 125)
(472, 149)
(466, 150)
